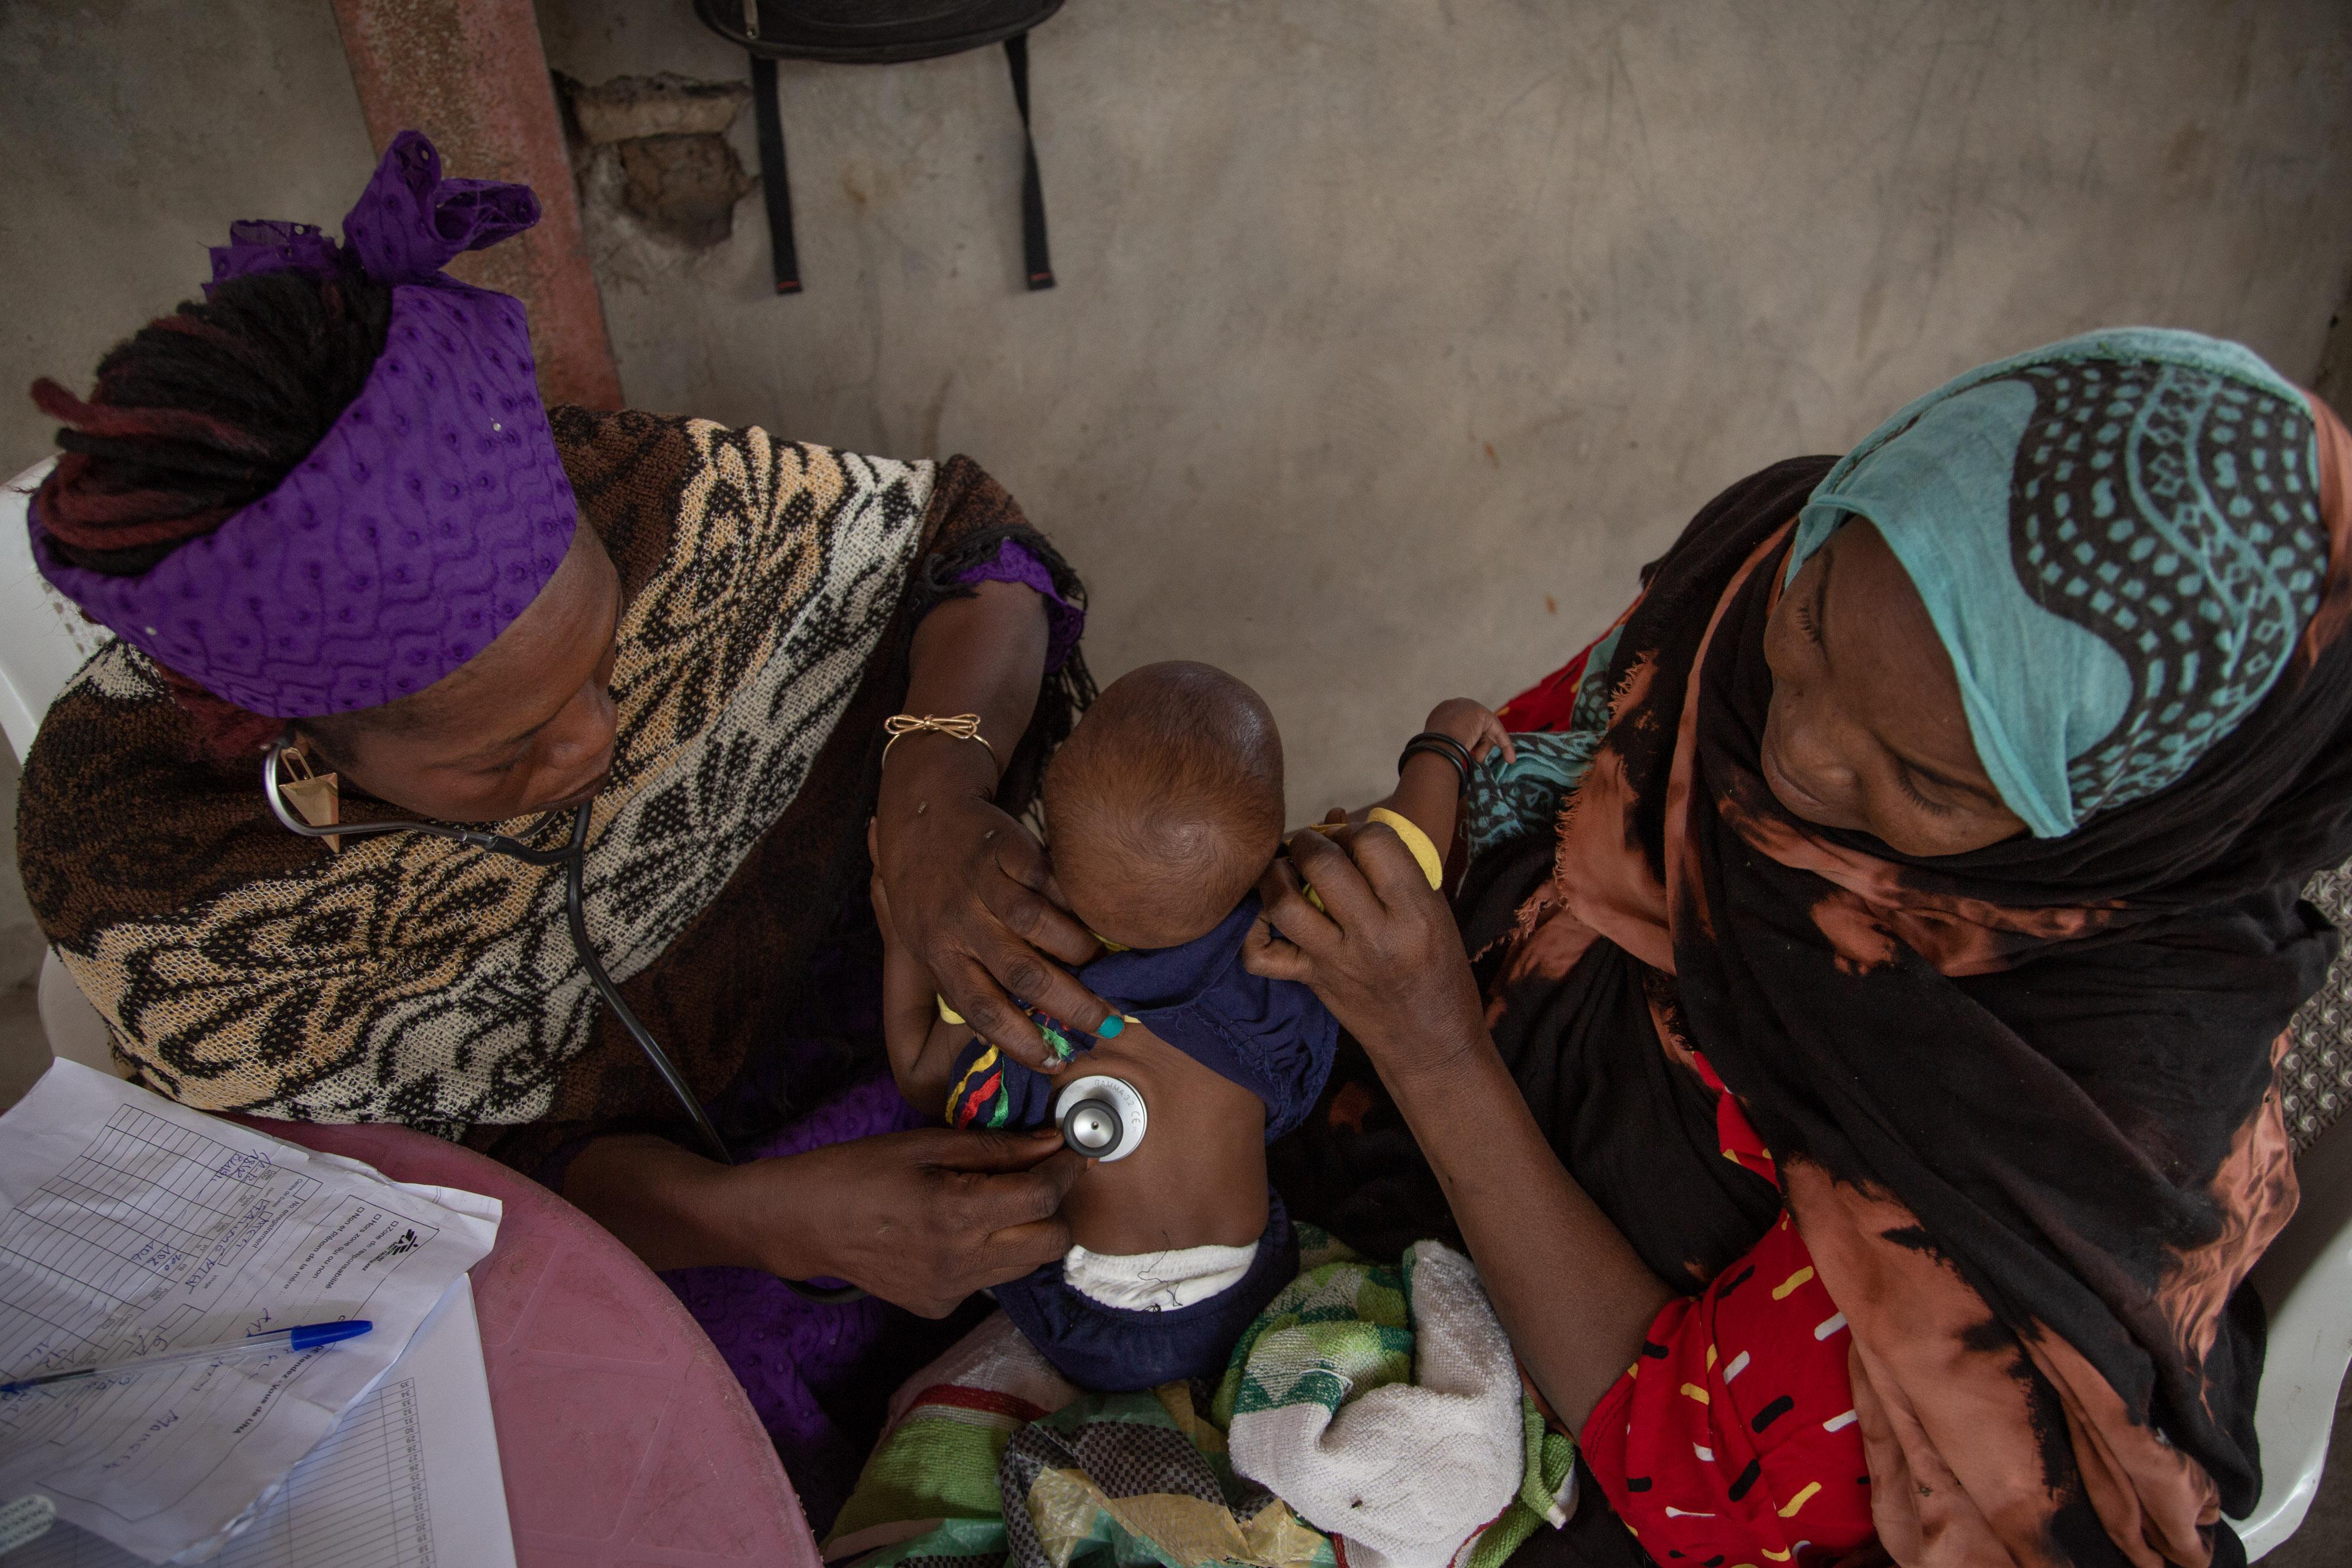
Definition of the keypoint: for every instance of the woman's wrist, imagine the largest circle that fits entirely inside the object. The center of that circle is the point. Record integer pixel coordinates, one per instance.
(925, 772)
(930, 782)
(983, 655)
(934, 760)
(671, 1207)
(1434, 1064)
(769, 1207)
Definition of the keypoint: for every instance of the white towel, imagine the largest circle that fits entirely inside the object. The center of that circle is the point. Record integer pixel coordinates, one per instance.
(1407, 1473)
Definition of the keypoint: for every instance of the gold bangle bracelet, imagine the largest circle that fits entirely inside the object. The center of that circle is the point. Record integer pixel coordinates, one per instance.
(958, 727)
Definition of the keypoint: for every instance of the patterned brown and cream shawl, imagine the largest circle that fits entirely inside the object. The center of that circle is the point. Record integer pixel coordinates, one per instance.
(771, 591)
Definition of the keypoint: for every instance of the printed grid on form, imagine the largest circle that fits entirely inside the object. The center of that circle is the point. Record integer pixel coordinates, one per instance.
(118, 1227)
(356, 1501)
(156, 1233)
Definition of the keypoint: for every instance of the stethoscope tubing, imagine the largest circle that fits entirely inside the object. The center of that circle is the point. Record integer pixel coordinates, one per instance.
(573, 857)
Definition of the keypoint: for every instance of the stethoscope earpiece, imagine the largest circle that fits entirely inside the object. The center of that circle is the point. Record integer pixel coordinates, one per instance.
(1101, 1117)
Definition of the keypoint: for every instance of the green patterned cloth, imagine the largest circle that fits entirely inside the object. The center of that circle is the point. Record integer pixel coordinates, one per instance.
(979, 1473)
(1452, 1425)
(1340, 1327)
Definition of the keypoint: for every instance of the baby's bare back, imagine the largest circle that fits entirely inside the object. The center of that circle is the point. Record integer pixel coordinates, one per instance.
(1198, 1178)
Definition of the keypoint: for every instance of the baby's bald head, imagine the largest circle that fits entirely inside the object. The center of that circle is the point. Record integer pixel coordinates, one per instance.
(1165, 804)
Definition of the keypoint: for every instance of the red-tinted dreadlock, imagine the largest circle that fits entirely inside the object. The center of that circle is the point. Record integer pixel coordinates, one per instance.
(199, 415)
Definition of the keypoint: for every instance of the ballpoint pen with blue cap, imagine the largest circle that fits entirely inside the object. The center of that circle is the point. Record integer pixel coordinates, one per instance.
(293, 1341)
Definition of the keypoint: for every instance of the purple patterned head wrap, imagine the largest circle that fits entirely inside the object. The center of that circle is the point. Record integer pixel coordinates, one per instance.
(432, 511)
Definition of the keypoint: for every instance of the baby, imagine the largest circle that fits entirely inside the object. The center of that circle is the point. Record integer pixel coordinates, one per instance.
(1163, 809)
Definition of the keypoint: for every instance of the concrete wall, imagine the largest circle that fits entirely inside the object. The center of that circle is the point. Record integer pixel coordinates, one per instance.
(133, 131)
(1384, 329)
(1391, 338)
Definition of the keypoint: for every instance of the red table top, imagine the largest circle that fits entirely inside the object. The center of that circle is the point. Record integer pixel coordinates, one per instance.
(626, 1441)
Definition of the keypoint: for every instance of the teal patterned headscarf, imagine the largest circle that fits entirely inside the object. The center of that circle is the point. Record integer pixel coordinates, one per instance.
(2118, 537)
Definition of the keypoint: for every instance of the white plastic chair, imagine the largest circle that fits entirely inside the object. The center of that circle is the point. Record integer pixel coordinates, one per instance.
(2305, 1281)
(43, 640)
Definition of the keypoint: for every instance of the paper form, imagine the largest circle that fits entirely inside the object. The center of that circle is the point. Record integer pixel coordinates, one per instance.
(409, 1479)
(135, 1225)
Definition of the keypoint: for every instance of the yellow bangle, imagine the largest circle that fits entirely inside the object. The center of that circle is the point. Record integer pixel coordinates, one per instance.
(1433, 865)
(959, 726)
(1425, 854)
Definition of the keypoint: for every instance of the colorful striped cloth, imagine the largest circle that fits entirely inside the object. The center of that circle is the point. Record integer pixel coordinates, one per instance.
(982, 1093)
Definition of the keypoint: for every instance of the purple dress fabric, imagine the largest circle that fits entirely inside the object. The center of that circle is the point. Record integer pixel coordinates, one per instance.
(817, 1375)
(1013, 563)
(434, 509)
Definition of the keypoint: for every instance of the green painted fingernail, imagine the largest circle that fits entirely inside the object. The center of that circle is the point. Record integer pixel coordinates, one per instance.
(1112, 1027)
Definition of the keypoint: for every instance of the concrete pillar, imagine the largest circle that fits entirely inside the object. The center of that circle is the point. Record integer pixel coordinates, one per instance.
(470, 75)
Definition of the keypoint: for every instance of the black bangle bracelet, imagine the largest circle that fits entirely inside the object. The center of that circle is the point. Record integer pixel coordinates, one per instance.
(1437, 744)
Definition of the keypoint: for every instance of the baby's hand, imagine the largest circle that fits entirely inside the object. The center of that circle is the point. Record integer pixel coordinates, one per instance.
(1475, 725)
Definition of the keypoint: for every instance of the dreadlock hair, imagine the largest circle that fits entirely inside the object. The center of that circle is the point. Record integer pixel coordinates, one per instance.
(197, 416)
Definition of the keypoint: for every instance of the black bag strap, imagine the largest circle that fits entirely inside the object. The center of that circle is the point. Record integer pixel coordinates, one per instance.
(1036, 259)
(776, 190)
(776, 185)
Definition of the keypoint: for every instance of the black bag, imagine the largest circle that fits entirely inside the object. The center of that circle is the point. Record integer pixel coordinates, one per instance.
(875, 32)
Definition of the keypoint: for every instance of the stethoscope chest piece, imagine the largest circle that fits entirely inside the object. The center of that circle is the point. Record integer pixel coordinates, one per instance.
(1101, 1117)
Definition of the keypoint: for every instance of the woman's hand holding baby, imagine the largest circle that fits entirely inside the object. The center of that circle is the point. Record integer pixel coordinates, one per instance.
(969, 891)
(1572, 1295)
(1383, 953)
(971, 894)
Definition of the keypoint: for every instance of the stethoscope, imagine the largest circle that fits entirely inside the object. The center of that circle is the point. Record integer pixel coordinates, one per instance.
(574, 856)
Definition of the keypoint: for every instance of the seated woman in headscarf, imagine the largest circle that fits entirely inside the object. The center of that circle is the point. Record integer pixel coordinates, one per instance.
(327, 506)
(1859, 1099)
